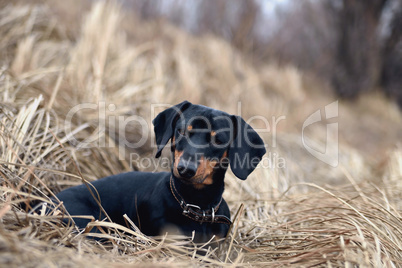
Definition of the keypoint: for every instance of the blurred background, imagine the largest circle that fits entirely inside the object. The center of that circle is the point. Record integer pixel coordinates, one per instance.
(354, 45)
(75, 75)
(352, 49)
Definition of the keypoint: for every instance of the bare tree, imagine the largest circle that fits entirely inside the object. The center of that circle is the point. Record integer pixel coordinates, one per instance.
(391, 77)
(357, 65)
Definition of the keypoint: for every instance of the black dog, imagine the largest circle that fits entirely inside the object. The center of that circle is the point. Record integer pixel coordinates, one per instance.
(204, 142)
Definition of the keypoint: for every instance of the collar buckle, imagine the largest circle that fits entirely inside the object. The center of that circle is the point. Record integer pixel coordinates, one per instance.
(195, 212)
(188, 206)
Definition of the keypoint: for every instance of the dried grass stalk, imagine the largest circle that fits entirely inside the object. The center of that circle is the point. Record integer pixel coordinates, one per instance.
(286, 219)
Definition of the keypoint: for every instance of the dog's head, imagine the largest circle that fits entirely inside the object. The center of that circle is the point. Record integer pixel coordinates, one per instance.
(205, 140)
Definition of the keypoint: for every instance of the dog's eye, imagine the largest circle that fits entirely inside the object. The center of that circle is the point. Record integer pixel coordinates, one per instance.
(216, 141)
(181, 132)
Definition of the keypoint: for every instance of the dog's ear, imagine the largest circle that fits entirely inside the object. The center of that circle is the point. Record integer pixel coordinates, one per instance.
(246, 149)
(164, 124)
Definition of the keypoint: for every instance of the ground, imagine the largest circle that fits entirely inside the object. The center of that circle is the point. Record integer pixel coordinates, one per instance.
(70, 78)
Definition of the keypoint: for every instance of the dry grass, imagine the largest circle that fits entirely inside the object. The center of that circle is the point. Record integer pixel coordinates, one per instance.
(307, 214)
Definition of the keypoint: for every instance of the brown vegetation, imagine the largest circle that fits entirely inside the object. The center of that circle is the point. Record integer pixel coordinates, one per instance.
(302, 215)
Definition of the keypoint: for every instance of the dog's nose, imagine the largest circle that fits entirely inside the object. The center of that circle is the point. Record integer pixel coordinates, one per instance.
(186, 171)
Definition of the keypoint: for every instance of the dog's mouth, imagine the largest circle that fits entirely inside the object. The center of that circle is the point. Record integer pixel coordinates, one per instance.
(197, 179)
(200, 179)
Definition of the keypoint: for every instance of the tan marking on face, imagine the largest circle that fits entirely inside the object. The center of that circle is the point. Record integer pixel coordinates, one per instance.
(189, 127)
(174, 142)
(225, 154)
(204, 173)
(213, 133)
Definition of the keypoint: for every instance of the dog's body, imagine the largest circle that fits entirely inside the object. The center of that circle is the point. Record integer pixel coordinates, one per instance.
(204, 142)
(148, 202)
